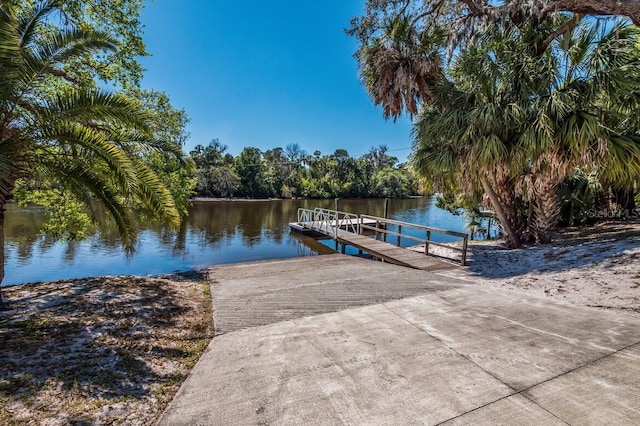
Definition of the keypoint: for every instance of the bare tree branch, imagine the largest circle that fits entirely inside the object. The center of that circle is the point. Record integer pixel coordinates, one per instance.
(560, 31)
(63, 75)
(628, 8)
(541, 8)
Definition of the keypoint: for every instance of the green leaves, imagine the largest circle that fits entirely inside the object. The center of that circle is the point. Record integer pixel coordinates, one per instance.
(399, 66)
(527, 119)
(67, 218)
(65, 139)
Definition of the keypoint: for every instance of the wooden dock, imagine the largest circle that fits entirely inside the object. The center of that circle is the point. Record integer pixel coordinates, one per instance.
(349, 230)
(391, 253)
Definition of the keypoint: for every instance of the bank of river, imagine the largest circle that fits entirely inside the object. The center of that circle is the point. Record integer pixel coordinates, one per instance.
(215, 232)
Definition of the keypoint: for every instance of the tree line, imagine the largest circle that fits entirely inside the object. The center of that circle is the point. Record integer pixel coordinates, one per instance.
(291, 172)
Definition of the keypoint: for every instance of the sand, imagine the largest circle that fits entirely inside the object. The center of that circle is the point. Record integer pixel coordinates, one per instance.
(105, 350)
(597, 267)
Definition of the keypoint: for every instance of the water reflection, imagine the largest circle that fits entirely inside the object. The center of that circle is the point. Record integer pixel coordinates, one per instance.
(215, 232)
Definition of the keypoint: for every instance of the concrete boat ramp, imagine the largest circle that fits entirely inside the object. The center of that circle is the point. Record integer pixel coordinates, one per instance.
(338, 340)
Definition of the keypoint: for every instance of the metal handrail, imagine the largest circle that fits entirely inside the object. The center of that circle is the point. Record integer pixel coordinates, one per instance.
(348, 222)
(305, 215)
(323, 219)
(427, 241)
(330, 221)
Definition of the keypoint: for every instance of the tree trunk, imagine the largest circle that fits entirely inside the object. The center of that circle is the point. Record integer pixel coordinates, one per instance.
(505, 223)
(504, 190)
(548, 173)
(546, 211)
(2, 205)
(8, 186)
(603, 203)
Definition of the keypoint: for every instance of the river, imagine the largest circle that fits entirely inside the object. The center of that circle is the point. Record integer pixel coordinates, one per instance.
(215, 232)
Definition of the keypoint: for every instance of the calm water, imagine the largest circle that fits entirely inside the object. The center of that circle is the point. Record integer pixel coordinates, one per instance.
(214, 233)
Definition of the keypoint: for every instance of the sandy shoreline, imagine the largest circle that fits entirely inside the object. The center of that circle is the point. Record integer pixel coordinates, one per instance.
(597, 267)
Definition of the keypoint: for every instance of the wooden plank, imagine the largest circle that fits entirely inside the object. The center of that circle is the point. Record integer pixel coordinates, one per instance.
(392, 253)
(380, 249)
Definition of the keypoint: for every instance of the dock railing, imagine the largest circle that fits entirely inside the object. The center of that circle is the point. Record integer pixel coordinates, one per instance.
(381, 231)
(305, 215)
(328, 221)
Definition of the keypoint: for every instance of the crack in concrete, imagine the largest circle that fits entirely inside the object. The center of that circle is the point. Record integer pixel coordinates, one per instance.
(514, 391)
(525, 390)
(539, 330)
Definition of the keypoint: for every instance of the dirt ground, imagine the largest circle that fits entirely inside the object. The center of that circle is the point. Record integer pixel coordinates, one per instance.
(99, 350)
(597, 267)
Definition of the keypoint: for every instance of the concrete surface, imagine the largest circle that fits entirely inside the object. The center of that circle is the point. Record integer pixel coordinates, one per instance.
(457, 354)
(259, 293)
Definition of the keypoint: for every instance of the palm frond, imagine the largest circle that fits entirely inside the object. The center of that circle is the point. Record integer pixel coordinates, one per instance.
(87, 185)
(29, 23)
(95, 107)
(155, 195)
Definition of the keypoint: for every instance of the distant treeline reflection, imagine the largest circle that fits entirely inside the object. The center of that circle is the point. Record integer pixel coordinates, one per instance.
(210, 224)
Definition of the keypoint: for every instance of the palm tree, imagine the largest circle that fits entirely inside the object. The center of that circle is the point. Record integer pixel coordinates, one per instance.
(88, 142)
(402, 70)
(399, 66)
(523, 120)
(593, 72)
(468, 137)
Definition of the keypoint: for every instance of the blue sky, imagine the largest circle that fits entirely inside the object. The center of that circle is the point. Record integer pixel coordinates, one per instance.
(266, 74)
